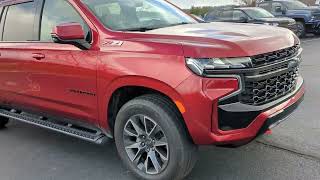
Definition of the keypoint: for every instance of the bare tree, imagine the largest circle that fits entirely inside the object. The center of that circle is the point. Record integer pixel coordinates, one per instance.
(309, 2)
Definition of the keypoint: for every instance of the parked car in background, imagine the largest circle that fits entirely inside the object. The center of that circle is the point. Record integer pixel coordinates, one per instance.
(198, 18)
(307, 17)
(254, 15)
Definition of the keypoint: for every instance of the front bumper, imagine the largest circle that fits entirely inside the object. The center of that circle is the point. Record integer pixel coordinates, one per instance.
(201, 99)
(267, 117)
(313, 26)
(293, 27)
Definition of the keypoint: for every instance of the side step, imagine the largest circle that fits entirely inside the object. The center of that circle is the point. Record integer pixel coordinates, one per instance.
(94, 136)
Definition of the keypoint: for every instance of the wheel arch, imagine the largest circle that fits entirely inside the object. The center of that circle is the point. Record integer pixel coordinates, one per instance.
(134, 86)
(300, 19)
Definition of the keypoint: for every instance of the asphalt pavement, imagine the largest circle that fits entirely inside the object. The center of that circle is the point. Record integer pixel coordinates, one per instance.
(291, 152)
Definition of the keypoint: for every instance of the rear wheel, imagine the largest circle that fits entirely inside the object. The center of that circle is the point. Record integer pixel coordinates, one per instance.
(152, 141)
(301, 29)
(3, 122)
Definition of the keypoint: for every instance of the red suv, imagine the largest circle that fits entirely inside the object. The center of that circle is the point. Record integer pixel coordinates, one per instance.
(145, 74)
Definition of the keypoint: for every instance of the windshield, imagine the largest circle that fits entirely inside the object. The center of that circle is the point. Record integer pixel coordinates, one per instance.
(258, 13)
(295, 5)
(137, 15)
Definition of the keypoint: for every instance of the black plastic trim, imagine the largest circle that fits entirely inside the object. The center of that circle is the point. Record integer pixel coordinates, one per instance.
(240, 107)
(280, 117)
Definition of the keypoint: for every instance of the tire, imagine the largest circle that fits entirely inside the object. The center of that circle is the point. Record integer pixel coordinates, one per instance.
(176, 154)
(3, 122)
(301, 29)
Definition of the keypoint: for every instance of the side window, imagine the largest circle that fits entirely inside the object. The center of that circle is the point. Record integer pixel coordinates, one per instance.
(277, 8)
(227, 15)
(57, 12)
(211, 16)
(19, 23)
(266, 6)
(239, 15)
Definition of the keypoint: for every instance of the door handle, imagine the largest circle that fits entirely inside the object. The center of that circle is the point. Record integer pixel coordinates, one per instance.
(38, 56)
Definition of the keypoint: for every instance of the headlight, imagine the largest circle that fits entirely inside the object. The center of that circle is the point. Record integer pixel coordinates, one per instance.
(271, 24)
(199, 66)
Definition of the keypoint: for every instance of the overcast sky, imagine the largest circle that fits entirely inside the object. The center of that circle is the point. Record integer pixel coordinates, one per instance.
(189, 3)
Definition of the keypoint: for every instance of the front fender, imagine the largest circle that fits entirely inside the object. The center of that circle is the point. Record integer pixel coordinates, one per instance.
(140, 81)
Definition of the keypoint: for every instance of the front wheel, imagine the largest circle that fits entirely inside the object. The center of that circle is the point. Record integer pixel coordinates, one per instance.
(301, 29)
(3, 122)
(152, 141)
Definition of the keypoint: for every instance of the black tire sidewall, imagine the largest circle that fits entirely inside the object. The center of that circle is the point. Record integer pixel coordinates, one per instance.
(165, 121)
(3, 122)
(303, 27)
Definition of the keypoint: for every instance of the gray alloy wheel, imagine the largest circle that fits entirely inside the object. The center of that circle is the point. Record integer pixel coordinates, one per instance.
(152, 141)
(146, 144)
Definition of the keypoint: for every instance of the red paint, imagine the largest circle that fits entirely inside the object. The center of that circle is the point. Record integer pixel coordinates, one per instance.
(268, 132)
(69, 31)
(155, 60)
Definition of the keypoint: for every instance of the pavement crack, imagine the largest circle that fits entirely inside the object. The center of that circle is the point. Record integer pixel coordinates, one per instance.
(307, 156)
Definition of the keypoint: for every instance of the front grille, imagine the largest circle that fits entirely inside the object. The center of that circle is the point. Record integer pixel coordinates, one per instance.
(273, 77)
(269, 89)
(264, 59)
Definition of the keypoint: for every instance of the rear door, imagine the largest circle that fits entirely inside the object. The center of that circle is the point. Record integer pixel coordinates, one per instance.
(56, 79)
(17, 30)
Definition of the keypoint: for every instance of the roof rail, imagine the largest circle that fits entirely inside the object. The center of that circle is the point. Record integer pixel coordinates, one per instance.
(227, 7)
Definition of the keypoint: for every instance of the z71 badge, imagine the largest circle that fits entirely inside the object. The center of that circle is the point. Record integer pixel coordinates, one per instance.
(112, 43)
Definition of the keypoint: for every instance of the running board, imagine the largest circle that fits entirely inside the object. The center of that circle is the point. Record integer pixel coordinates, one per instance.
(94, 136)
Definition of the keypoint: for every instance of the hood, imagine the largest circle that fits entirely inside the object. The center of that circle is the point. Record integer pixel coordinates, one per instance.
(219, 39)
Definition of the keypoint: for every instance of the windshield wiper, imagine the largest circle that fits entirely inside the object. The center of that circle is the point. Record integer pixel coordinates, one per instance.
(144, 29)
(181, 23)
(140, 29)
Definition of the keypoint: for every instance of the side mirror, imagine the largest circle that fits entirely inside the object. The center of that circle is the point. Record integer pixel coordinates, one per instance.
(70, 33)
(284, 11)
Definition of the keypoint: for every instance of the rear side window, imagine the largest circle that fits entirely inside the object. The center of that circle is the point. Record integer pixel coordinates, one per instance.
(57, 12)
(238, 15)
(19, 23)
(226, 15)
